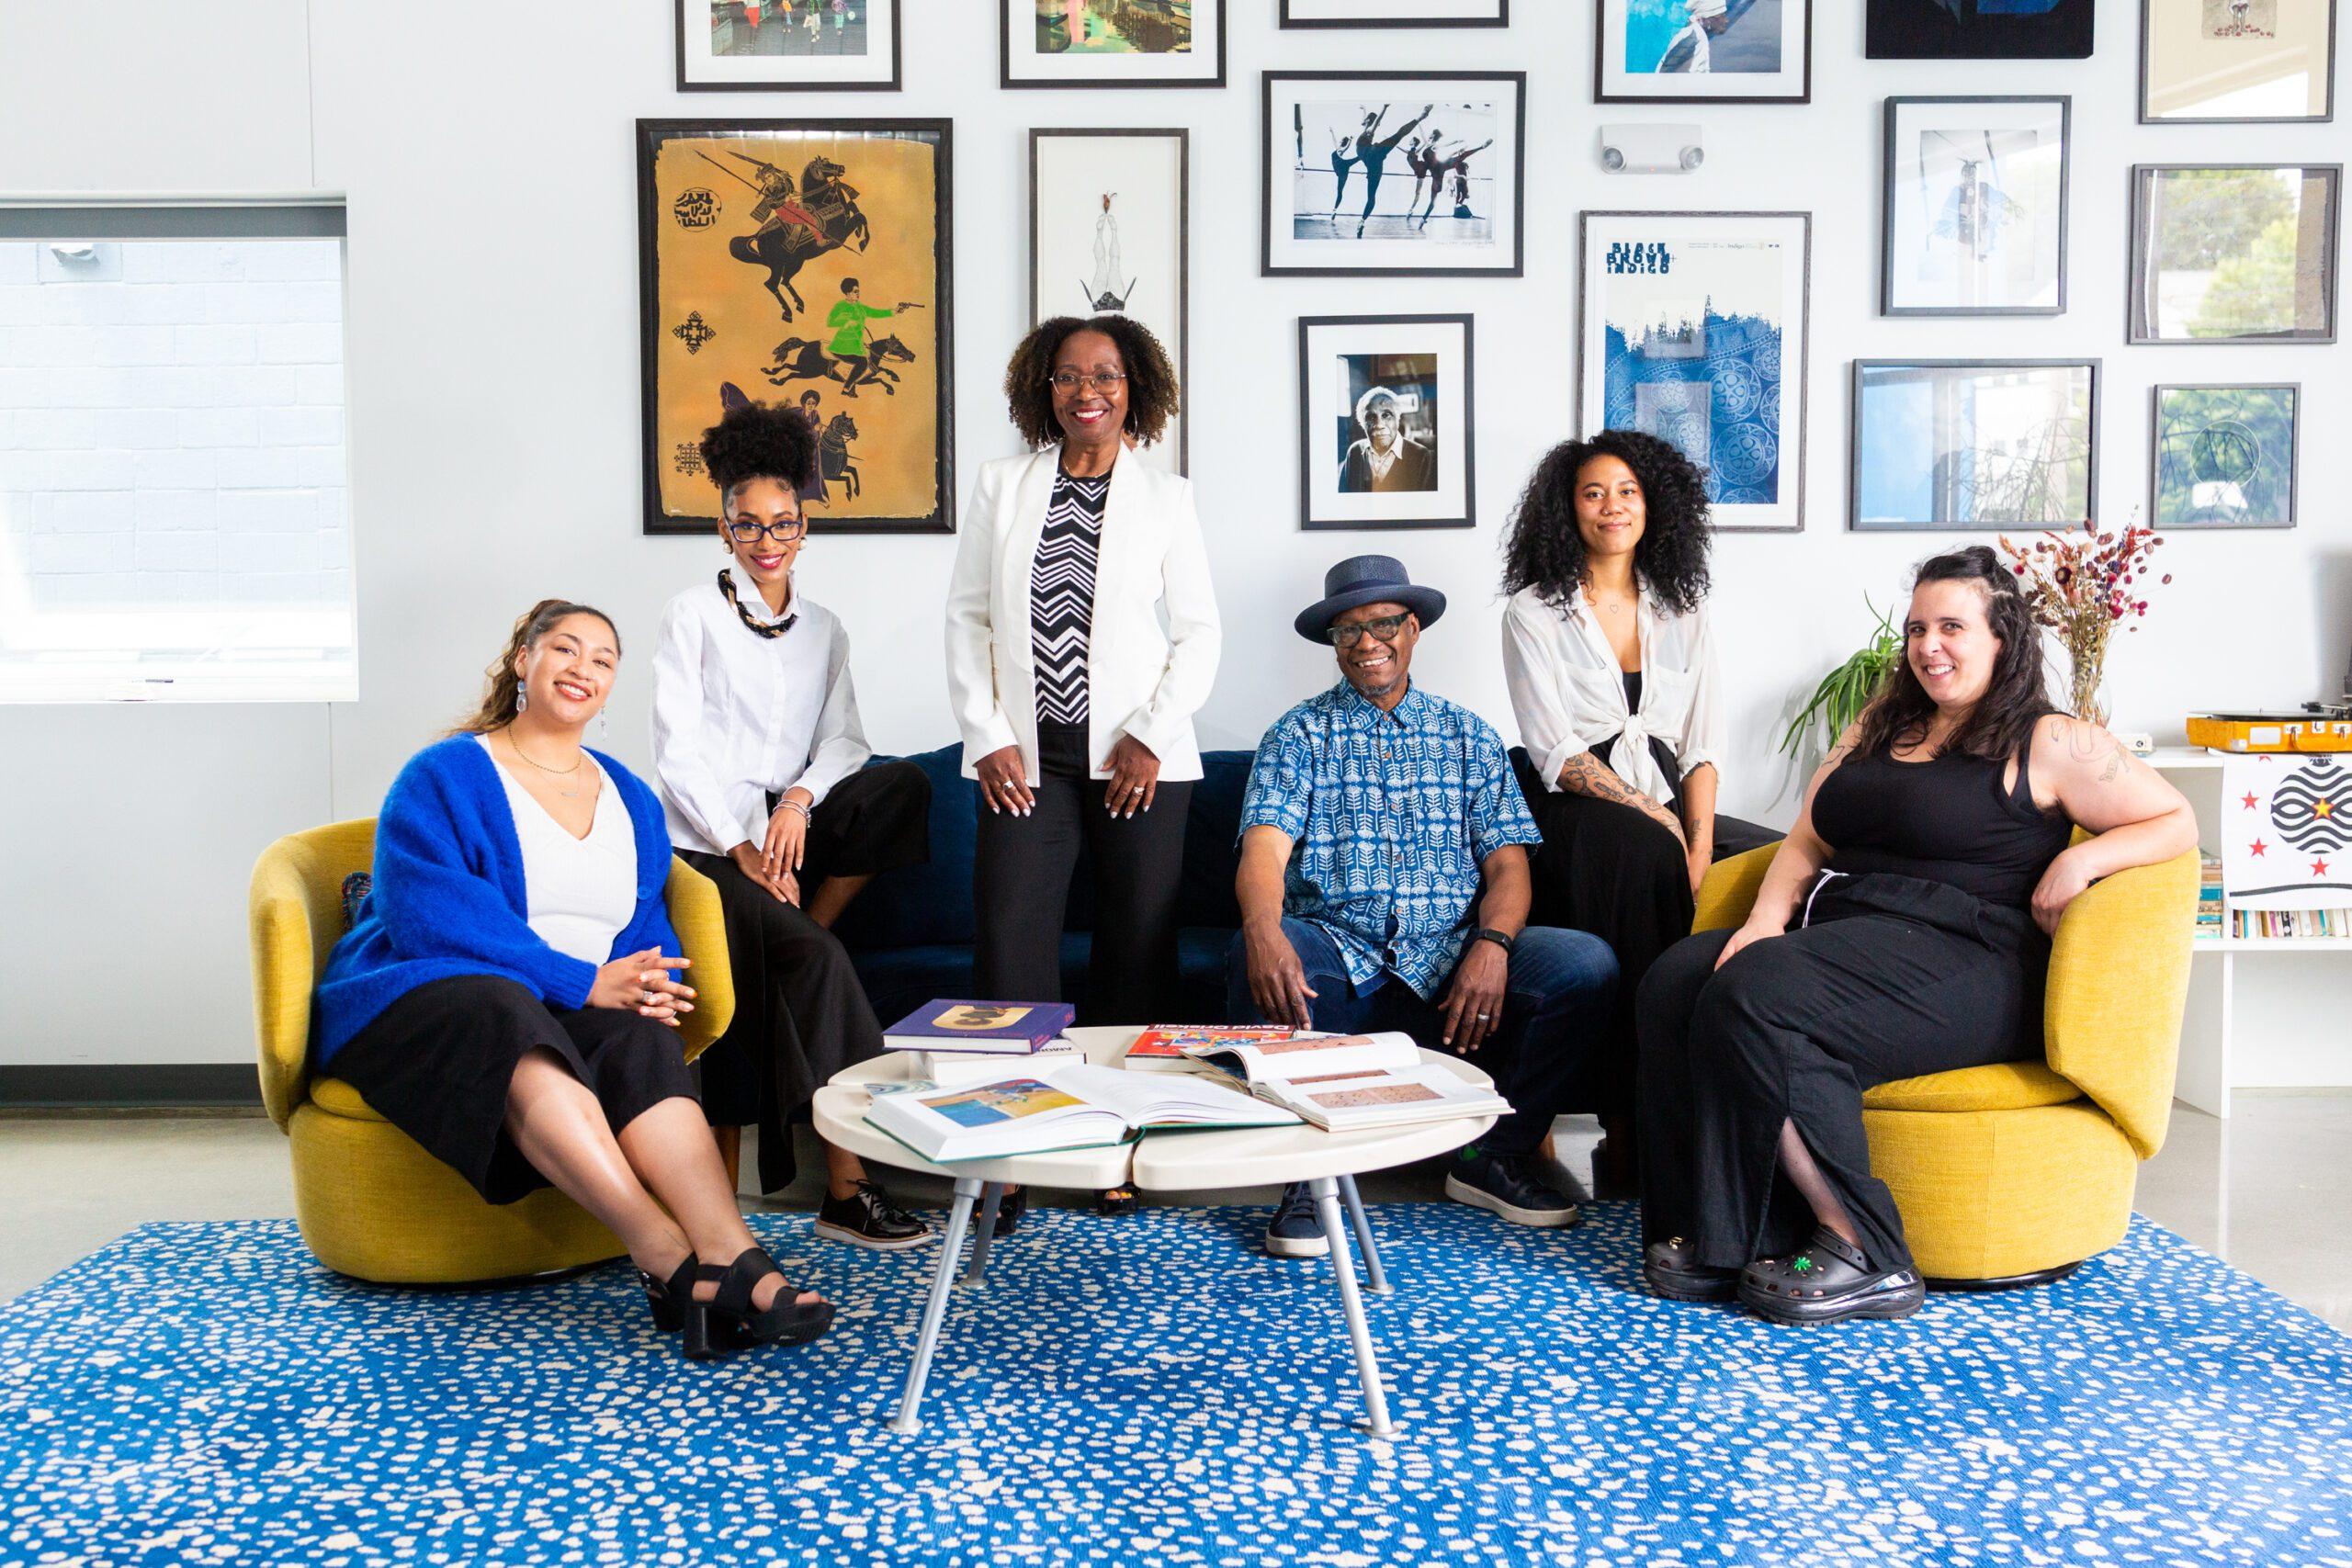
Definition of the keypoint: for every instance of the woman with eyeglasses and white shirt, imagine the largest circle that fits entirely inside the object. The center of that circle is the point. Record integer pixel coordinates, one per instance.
(762, 763)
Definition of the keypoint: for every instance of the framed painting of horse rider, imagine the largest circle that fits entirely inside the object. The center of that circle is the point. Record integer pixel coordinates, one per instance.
(1109, 236)
(829, 46)
(806, 263)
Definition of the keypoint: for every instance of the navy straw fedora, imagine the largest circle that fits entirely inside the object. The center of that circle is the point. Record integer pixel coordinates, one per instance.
(1366, 580)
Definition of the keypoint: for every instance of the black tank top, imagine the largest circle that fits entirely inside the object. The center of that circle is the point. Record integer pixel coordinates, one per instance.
(1946, 820)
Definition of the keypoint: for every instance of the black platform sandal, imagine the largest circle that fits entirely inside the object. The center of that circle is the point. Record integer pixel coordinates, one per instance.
(666, 1300)
(728, 1320)
(1829, 1282)
(1671, 1269)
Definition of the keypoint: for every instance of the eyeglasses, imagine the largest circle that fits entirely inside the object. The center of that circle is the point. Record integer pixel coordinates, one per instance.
(783, 533)
(1349, 634)
(1069, 381)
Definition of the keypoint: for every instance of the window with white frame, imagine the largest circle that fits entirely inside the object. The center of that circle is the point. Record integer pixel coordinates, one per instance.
(174, 520)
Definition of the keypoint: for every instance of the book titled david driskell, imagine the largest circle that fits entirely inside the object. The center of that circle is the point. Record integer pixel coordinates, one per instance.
(1005, 1029)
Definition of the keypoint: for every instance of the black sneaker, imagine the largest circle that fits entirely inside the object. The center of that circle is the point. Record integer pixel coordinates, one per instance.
(1506, 1184)
(1296, 1230)
(868, 1218)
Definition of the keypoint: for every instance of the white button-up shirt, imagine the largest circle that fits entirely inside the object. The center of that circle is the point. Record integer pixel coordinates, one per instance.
(1568, 691)
(737, 717)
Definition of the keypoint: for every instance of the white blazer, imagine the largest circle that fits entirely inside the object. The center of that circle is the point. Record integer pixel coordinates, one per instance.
(1142, 680)
(1569, 695)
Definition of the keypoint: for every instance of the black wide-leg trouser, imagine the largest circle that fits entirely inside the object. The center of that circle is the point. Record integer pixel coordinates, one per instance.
(1883, 978)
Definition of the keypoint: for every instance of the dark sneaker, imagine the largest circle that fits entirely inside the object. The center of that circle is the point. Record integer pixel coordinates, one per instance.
(1506, 1184)
(1829, 1282)
(1297, 1230)
(868, 1218)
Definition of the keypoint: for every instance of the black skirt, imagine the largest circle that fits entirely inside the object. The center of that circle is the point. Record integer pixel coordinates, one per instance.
(437, 1064)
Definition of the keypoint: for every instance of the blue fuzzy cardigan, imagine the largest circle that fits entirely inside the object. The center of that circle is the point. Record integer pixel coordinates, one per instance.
(448, 895)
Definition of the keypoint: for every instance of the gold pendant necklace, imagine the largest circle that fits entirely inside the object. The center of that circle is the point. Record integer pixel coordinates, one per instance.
(571, 794)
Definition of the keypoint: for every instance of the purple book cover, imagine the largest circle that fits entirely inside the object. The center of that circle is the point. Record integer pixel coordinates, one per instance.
(952, 1022)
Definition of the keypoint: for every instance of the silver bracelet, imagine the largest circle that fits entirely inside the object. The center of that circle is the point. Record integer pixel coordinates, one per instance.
(789, 804)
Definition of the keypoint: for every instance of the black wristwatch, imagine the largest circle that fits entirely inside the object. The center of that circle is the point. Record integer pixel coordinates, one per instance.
(1487, 933)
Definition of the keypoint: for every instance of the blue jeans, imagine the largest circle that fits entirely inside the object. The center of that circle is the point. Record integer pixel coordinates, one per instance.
(1555, 1010)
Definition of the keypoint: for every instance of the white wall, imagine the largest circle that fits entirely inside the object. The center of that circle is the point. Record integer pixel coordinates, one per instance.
(493, 395)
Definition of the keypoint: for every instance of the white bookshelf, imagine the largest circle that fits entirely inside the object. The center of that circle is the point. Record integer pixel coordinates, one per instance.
(2209, 1055)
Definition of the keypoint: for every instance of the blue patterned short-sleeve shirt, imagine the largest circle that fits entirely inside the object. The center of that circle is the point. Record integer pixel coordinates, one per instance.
(1388, 815)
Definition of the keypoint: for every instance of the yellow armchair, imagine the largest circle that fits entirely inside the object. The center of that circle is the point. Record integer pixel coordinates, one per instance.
(370, 1203)
(2015, 1173)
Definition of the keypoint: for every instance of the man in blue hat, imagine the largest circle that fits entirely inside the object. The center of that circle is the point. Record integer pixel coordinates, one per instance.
(1383, 885)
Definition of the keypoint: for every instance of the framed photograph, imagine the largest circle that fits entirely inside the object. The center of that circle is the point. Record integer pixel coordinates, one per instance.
(1975, 207)
(2237, 62)
(802, 262)
(1703, 51)
(1110, 232)
(1397, 173)
(1976, 30)
(1396, 12)
(826, 46)
(2233, 252)
(1693, 328)
(1113, 43)
(1974, 444)
(1385, 425)
(2224, 456)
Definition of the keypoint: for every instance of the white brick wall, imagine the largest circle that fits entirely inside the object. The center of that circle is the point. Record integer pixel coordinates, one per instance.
(174, 437)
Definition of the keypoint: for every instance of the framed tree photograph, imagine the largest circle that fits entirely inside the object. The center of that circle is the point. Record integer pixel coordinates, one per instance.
(1113, 43)
(1396, 12)
(2233, 252)
(1703, 51)
(1693, 328)
(2237, 62)
(1110, 234)
(1399, 174)
(2224, 456)
(803, 263)
(1974, 444)
(1385, 423)
(1977, 29)
(749, 46)
(1975, 206)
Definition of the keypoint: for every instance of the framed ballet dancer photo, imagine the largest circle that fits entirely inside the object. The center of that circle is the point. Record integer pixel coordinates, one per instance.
(1393, 173)
(1385, 423)
(1703, 51)
(818, 46)
(1396, 12)
(1111, 43)
(1110, 234)
(1975, 206)
(800, 262)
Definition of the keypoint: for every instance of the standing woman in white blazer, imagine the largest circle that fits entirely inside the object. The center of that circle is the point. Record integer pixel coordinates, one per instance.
(1075, 704)
(1612, 673)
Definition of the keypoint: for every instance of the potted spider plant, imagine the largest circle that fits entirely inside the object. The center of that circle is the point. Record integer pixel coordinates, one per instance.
(1846, 690)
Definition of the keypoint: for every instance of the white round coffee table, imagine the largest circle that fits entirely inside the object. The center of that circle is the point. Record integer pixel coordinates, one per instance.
(1328, 1162)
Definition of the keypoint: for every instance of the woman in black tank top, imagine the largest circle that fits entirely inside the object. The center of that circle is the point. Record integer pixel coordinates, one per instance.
(1903, 930)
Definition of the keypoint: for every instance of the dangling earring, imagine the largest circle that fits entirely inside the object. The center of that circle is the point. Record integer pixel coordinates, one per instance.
(522, 699)
(604, 725)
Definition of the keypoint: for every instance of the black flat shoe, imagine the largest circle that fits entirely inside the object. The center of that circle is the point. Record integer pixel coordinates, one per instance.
(1829, 1282)
(1672, 1269)
(728, 1320)
(667, 1299)
(1009, 1210)
(868, 1218)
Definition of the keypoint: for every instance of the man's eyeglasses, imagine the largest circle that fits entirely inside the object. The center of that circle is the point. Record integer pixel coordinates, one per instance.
(1069, 381)
(1348, 634)
(783, 533)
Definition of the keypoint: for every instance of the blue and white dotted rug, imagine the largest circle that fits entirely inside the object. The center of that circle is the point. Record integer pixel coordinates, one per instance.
(1152, 1391)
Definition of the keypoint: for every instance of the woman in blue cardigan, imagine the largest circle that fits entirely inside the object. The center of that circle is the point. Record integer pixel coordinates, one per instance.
(508, 994)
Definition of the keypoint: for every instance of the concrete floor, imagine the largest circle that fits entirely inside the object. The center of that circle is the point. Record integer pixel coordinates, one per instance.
(2270, 1190)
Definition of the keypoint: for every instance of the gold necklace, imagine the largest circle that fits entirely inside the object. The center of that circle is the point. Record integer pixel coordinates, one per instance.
(571, 794)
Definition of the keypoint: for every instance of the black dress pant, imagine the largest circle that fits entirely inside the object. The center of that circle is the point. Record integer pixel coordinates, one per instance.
(1021, 878)
(1617, 872)
(1892, 977)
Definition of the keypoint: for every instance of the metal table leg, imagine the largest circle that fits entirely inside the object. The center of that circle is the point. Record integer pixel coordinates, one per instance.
(992, 1194)
(934, 1312)
(1327, 1205)
(1372, 1268)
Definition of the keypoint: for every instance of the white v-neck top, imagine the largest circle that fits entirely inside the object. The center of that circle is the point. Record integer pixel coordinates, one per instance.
(582, 892)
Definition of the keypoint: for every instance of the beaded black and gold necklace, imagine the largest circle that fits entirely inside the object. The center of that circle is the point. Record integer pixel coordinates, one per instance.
(759, 628)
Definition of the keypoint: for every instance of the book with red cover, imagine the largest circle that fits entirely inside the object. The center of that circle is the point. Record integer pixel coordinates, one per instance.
(1161, 1048)
(1005, 1029)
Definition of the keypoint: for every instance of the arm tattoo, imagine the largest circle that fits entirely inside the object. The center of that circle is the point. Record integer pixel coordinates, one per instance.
(1584, 773)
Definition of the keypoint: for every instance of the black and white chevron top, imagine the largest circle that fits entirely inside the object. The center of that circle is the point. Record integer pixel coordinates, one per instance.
(1061, 596)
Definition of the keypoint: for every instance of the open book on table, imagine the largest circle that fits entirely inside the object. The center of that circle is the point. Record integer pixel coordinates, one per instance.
(1070, 1106)
(1343, 1082)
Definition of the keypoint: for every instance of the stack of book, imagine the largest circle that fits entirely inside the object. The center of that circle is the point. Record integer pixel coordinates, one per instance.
(2208, 898)
(949, 1041)
(2294, 923)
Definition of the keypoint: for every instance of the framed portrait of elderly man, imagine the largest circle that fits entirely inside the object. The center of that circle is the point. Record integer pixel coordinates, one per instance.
(806, 264)
(1385, 423)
